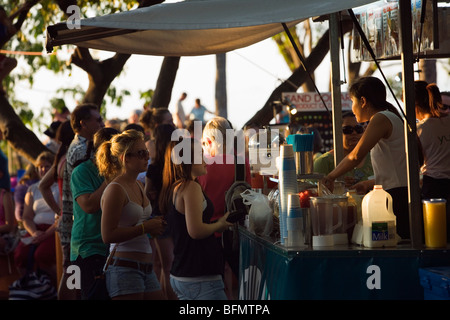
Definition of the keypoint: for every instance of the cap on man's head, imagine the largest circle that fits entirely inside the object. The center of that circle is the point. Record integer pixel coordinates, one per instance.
(51, 131)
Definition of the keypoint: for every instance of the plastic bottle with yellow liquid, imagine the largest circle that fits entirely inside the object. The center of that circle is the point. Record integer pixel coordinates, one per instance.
(379, 221)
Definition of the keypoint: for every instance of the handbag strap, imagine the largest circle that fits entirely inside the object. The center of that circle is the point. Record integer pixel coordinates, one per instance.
(239, 169)
(109, 259)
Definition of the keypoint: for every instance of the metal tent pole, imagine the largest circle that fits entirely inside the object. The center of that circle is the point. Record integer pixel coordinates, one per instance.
(336, 88)
(415, 212)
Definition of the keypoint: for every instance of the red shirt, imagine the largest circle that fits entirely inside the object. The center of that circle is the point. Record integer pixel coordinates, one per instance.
(218, 180)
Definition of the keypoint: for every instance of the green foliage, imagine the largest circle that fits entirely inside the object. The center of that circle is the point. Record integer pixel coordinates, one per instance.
(397, 86)
(147, 96)
(31, 38)
(115, 97)
(57, 104)
(299, 33)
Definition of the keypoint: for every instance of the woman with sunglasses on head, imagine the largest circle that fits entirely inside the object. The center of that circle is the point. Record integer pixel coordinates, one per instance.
(198, 264)
(433, 130)
(125, 219)
(163, 244)
(384, 138)
(352, 133)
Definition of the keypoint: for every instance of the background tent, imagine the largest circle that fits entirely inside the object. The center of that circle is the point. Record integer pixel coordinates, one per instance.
(190, 28)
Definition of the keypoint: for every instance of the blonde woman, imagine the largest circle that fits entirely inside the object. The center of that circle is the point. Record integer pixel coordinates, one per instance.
(126, 219)
(220, 156)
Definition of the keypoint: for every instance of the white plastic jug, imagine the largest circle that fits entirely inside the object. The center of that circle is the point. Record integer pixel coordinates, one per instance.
(379, 221)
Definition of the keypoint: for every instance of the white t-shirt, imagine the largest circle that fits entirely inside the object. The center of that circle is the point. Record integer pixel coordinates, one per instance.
(43, 214)
(434, 135)
(180, 111)
(389, 156)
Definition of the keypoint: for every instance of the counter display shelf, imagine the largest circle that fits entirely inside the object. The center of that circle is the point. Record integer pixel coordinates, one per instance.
(345, 272)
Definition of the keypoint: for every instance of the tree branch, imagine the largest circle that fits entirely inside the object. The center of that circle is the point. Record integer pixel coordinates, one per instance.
(13, 28)
(298, 77)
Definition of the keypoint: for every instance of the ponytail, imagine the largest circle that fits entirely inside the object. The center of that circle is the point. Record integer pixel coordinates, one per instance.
(428, 98)
(108, 165)
(435, 100)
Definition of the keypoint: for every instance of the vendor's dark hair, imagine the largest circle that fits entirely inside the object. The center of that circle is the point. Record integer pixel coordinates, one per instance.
(428, 98)
(374, 91)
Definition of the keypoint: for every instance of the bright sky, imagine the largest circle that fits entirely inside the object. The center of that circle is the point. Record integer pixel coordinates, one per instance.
(252, 74)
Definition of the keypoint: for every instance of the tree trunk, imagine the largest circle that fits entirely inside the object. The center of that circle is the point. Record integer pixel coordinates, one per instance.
(19, 137)
(22, 139)
(427, 70)
(290, 55)
(308, 86)
(164, 85)
(100, 73)
(221, 85)
(298, 77)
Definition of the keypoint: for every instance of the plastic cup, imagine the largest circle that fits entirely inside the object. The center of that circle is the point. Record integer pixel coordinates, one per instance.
(434, 223)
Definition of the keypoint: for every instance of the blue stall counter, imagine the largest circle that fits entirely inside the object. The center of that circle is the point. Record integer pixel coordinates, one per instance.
(268, 271)
(435, 282)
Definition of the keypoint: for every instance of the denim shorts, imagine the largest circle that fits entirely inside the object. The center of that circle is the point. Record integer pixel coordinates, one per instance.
(124, 280)
(199, 290)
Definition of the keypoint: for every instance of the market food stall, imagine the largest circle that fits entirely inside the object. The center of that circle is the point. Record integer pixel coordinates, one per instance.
(345, 272)
(268, 269)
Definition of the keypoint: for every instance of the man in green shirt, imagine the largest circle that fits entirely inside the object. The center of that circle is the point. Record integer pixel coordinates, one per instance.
(87, 249)
(352, 132)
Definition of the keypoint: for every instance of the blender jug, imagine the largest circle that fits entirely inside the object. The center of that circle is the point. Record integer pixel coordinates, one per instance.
(344, 232)
(326, 217)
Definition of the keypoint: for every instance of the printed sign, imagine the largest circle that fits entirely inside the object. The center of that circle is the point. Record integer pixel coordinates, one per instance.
(311, 101)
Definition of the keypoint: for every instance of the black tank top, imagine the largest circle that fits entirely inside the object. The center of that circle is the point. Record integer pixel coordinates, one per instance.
(194, 257)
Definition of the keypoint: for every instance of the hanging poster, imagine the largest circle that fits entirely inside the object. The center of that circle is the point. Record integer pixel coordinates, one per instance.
(381, 25)
(355, 54)
(378, 31)
(391, 26)
(427, 34)
(371, 32)
(416, 6)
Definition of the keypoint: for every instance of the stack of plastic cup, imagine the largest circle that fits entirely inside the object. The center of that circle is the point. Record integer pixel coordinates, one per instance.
(287, 184)
(294, 222)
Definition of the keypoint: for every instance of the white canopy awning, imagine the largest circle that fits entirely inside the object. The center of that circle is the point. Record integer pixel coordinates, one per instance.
(193, 27)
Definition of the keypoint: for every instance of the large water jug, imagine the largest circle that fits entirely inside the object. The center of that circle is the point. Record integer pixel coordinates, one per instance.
(379, 221)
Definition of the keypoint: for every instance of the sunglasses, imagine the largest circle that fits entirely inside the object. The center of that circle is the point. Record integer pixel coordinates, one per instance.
(141, 154)
(349, 129)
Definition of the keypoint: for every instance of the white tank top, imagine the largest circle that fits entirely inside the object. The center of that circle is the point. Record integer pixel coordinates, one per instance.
(133, 214)
(389, 156)
(43, 214)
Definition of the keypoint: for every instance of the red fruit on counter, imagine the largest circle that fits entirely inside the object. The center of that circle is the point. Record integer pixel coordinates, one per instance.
(305, 196)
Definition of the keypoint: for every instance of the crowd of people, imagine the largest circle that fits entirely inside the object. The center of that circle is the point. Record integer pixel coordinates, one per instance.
(94, 199)
(126, 198)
